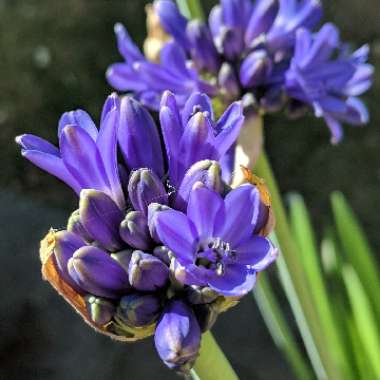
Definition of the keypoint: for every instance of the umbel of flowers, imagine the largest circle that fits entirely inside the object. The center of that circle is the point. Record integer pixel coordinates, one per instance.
(160, 244)
(262, 51)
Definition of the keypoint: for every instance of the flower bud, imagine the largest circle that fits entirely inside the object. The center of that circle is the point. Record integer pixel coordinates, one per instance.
(229, 42)
(206, 315)
(66, 243)
(153, 209)
(207, 172)
(101, 217)
(178, 335)
(75, 225)
(147, 272)
(145, 188)
(200, 295)
(134, 230)
(228, 81)
(256, 68)
(261, 20)
(138, 310)
(139, 138)
(97, 273)
(202, 48)
(99, 310)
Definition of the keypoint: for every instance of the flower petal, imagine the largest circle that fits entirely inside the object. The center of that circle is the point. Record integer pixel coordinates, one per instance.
(257, 252)
(242, 210)
(178, 233)
(237, 281)
(206, 210)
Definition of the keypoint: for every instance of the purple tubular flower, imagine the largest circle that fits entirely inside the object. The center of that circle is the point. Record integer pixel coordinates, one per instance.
(138, 309)
(86, 157)
(292, 15)
(97, 273)
(172, 20)
(178, 335)
(261, 20)
(198, 136)
(101, 217)
(138, 137)
(144, 188)
(202, 49)
(326, 83)
(134, 230)
(214, 244)
(147, 272)
(206, 172)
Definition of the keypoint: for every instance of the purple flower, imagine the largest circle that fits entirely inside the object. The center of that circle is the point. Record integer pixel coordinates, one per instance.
(214, 244)
(134, 264)
(329, 79)
(246, 48)
(196, 136)
(178, 335)
(86, 158)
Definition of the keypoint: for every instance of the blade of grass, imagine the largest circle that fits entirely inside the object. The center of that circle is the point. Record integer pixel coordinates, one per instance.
(357, 248)
(309, 257)
(279, 328)
(295, 282)
(364, 317)
(192, 9)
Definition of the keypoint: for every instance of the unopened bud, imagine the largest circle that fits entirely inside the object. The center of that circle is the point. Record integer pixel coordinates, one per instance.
(99, 310)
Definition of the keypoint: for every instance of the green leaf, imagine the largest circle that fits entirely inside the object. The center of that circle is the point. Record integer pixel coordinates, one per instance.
(364, 317)
(309, 258)
(279, 328)
(357, 249)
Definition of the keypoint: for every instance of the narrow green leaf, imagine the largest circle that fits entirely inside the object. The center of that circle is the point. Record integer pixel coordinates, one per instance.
(364, 317)
(357, 248)
(295, 281)
(192, 9)
(309, 258)
(279, 329)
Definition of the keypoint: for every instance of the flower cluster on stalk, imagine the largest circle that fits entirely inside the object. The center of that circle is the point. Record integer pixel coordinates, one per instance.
(262, 51)
(159, 244)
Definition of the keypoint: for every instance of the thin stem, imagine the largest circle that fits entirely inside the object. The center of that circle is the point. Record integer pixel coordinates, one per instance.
(212, 363)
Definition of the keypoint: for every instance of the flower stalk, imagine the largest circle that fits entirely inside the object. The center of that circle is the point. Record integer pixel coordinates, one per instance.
(212, 363)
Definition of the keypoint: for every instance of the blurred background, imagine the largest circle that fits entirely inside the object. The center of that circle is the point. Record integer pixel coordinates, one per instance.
(53, 56)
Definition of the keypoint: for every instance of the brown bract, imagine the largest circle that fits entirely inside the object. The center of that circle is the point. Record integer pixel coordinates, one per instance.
(265, 198)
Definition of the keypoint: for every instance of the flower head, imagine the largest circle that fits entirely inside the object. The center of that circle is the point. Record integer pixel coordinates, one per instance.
(214, 244)
(247, 49)
(130, 267)
(323, 75)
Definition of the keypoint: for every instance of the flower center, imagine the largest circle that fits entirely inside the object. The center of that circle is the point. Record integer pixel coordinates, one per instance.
(213, 254)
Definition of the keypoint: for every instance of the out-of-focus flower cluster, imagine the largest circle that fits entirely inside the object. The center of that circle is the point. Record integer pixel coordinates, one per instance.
(262, 51)
(160, 244)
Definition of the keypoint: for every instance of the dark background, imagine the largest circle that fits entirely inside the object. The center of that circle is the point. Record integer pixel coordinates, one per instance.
(53, 56)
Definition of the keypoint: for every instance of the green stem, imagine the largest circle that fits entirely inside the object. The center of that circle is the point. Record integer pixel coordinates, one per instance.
(307, 314)
(212, 363)
(192, 9)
